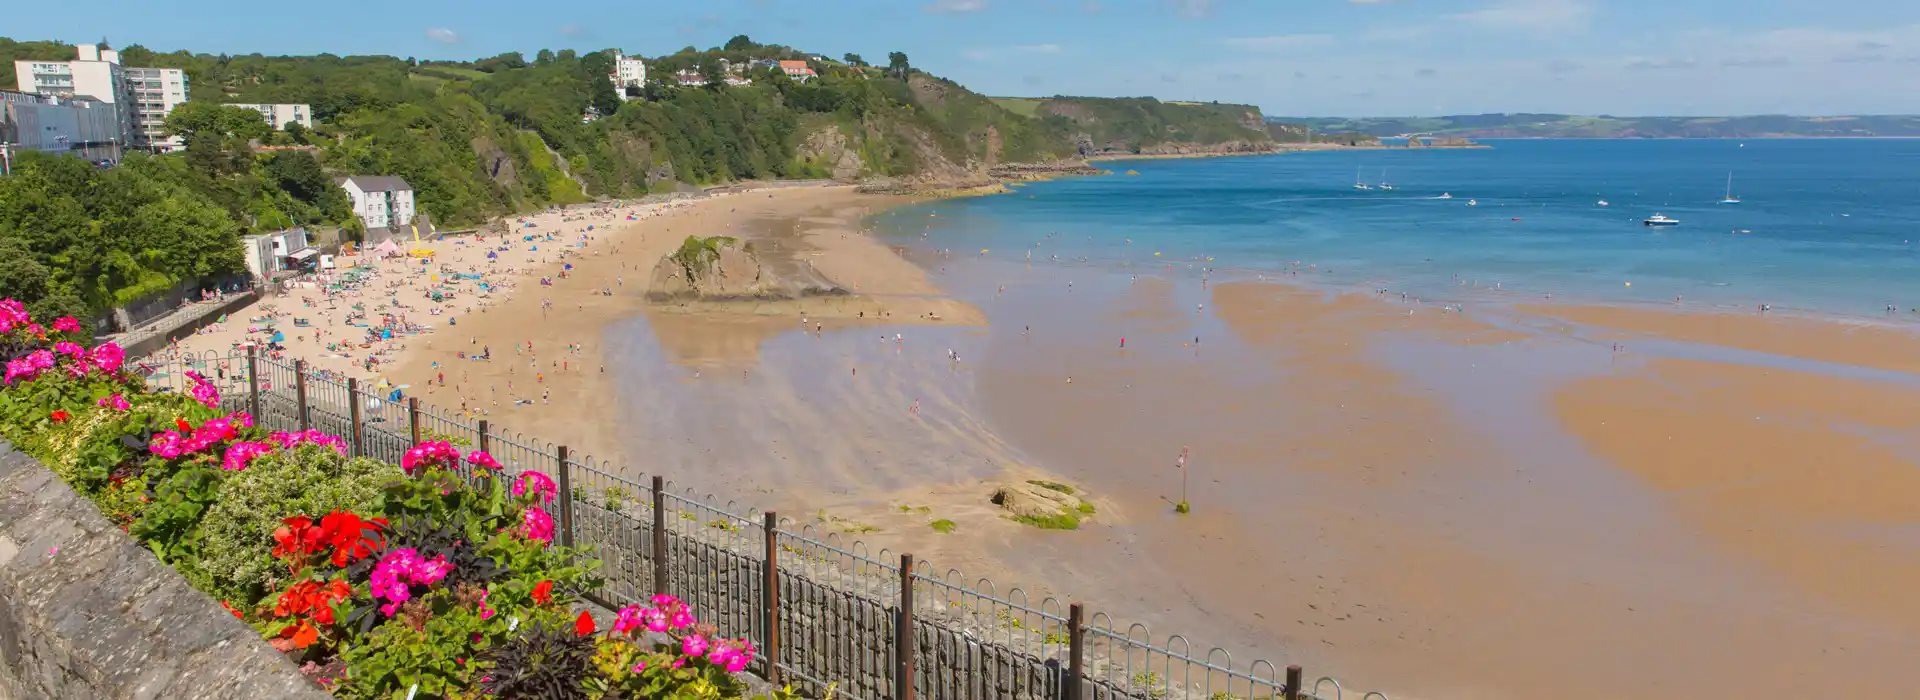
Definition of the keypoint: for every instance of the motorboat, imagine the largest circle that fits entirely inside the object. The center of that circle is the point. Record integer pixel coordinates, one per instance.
(1661, 220)
(1604, 203)
(1445, 195)
(1473, 202)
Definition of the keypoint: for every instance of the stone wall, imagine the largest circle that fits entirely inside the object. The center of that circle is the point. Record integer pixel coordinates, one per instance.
(86, 612)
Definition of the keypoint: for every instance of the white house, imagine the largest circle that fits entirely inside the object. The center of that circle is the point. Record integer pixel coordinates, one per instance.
(279, 116)
(271, 253)
(380, 201)
(628, 73)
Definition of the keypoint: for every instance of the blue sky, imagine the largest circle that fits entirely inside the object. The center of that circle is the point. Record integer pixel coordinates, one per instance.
(1291, 57)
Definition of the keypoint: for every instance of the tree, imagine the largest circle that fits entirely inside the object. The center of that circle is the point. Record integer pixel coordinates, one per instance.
(853, 59)
(196, 120)
(299, 174)
(740, 42)
(543, 58)
(710, 71)
(897, 65)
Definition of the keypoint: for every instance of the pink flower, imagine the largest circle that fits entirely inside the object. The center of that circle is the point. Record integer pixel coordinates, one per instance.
(167, 445)
(539, 482)
(399, 571)
(115, 402)
(108, 357)
(67, 324)
(535, 524)
(13, 313)
(693, 645)
(642, 666)
(483, 460)
(310, 437)
(628, 619)
(437, 453)
(241, 453)
(70, 349)
(203, 390)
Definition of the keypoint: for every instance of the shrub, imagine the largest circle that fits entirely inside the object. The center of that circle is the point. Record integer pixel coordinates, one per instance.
(942, 526)
(1064, 520)
(1052, 485)
(236, 543)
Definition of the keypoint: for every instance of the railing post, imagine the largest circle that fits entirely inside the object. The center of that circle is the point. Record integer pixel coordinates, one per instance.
(770, 598)
(353, 414)
(486, 441)
(253, 381)
(904, 639)
(1077, 648)
(659, 535)
(300, 394)
(566, 497)
(1293, 682)
(413, 419)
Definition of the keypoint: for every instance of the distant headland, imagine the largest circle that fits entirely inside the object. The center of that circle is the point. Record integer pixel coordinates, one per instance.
(1563, 126)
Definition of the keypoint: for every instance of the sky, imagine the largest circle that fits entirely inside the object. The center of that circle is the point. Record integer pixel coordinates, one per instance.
(1289, 57)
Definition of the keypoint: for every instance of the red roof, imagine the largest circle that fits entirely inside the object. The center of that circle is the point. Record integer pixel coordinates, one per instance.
(795, 67)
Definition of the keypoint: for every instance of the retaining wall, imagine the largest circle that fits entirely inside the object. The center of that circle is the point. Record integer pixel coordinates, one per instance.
(86, 612)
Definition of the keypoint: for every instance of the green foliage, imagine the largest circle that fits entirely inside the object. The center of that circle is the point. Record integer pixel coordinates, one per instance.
(1182, 508)
(696, 254)
(1085, 508)
(942, 526)
(547, 662)
(80, 234)
(1133, 123)
(235, 560)
(1052, 486)
(1064, 520)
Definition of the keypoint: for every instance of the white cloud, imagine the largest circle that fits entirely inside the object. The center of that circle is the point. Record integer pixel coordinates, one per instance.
(944, 6)
(443, 35)
(995, 53)
(1279, 42)
(1544, 16)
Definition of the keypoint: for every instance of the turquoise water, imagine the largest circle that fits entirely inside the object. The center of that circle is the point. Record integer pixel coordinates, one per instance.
(1831, 225)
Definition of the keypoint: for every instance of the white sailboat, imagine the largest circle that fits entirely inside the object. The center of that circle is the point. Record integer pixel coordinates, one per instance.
(1730, 198)
(1383, 180)
(1358, 183)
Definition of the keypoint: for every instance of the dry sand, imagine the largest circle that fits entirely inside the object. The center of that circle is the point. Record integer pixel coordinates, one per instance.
(1431, 503)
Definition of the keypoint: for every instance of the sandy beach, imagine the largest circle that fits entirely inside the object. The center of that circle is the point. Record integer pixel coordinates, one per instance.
(1517, 501)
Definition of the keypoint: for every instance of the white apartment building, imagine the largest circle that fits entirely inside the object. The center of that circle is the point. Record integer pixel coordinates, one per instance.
(280, 115)
(94, 73)
(627, 73)
(156, 91)
(380, 201)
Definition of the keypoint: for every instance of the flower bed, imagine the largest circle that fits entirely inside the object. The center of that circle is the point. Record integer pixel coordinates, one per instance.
(438, 578)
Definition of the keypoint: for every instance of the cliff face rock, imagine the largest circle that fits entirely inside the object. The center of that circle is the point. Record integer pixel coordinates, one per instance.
(737, 273)
(829, 146)
(1043, 171)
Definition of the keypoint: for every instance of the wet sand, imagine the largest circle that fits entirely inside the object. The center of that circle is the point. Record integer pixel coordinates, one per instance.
(1430, 503)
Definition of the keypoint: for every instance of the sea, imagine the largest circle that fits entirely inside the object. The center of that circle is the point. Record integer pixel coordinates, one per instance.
(1825, 225)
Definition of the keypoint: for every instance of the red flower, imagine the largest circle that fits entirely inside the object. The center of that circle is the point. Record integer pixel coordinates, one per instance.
(297, 540)
(236, 613)
(60, 416)
(303, 633)
(584, 625)
(543, 593)
(351, 538)
(183, 425)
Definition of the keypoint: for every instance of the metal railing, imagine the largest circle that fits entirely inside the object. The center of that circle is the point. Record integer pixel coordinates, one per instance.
(825, 611)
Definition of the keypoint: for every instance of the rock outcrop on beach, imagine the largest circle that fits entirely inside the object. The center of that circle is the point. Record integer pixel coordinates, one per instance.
(1043, 171)
(724, 269)
(1044, 504)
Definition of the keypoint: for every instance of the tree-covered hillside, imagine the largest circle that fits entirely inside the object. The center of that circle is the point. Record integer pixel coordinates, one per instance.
(483, 138)
(1143, 123)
